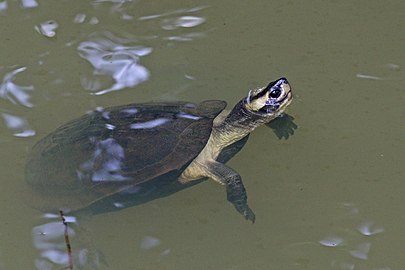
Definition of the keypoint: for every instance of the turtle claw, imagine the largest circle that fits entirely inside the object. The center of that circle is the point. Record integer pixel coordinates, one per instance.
(249, 215)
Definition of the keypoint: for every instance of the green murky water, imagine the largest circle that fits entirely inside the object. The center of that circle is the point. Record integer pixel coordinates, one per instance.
(330, 197)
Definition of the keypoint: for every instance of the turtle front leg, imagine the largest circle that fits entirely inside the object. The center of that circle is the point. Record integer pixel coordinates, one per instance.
(236, 192)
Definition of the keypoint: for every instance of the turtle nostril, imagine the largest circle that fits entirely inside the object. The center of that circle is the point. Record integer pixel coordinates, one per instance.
(284, 80)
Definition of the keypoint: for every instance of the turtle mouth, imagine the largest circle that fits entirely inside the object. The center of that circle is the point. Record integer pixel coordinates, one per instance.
(273, 106)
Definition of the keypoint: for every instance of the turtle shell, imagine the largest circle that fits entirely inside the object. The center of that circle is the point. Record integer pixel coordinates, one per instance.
(117, 151)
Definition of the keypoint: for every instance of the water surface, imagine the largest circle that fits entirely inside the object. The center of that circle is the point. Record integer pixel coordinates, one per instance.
(329, 197)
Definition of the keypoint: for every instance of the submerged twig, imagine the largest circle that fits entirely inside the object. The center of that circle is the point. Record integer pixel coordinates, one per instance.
(67, 241)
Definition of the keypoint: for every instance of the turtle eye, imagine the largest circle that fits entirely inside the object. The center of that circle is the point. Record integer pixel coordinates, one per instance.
(275, 93)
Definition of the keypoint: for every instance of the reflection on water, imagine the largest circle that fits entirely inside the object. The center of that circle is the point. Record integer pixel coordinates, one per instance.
(13, 92)
(24, 4)
(111, 56)
(149, 242)
(106, 162)
(174, 20)
(390, 67)
(175, 12)
(29, 3)
(120, 7)
(47, 28)
(150, 124)
(183, 21)
(51, 238)
(98, 162)
(120, 57)
(368, 228)
(18, 125)
(17, 95)
(344, 62)
(358, 249)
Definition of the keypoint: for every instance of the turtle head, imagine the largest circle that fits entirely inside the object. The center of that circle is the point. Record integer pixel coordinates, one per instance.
(269, 101)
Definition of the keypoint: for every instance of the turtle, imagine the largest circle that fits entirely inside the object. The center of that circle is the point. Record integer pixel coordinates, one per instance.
(121, 156)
